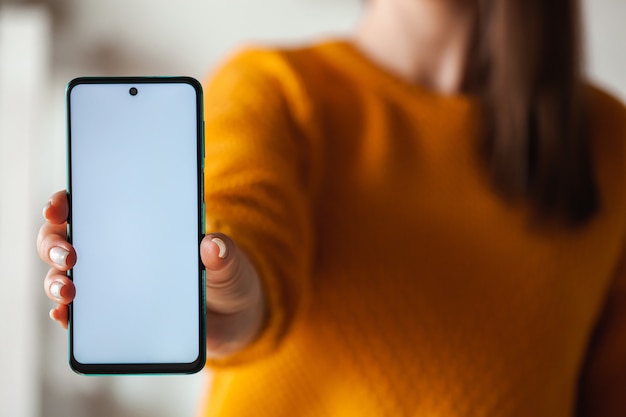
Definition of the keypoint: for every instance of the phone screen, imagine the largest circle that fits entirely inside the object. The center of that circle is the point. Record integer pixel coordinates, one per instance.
(136, 221)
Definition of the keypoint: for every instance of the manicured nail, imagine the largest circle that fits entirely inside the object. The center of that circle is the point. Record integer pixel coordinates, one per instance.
(51, 314)
(55, 289)
(46, 207)
(59, 256)
(220, 244)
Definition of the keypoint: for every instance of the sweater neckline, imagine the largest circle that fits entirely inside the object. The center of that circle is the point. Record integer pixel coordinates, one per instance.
(367, 68)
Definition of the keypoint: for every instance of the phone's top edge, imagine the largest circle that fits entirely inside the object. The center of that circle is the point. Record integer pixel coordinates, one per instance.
(133, 80)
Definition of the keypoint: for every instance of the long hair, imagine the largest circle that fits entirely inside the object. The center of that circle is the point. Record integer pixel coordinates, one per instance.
(526, 66)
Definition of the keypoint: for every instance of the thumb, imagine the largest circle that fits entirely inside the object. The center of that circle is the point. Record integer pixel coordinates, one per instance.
(232, 283)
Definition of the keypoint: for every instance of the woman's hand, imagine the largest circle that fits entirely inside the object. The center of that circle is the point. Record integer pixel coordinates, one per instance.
(235, 302)
(234, 297)
(55, 250)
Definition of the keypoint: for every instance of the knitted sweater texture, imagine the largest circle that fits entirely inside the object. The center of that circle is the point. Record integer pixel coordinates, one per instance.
(398, 282)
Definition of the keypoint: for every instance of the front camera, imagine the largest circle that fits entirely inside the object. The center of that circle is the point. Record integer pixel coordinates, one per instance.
(133, 91)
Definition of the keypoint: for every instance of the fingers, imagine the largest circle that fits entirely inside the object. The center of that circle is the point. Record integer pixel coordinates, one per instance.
(53, 247)
(60, 314)
(235, 303)
(232, 284)
(57, 208)
(60, 289)
(217, 252)
(52, 244)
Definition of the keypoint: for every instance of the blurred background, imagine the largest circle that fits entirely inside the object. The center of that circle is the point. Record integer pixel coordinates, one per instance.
(44, 44)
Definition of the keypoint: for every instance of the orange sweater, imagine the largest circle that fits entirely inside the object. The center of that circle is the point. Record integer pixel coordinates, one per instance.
(399, 284)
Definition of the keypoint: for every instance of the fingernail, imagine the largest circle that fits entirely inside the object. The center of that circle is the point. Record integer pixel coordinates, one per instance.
(220, 244)
(46, 207)
(59, 256)
(51, 314)
(55, 289)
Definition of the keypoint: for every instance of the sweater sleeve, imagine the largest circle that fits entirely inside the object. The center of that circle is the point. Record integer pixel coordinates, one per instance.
(256, 180)
(603, 383)
(602, 389)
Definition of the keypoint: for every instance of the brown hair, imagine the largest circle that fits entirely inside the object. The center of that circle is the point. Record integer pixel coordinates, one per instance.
(526, 67)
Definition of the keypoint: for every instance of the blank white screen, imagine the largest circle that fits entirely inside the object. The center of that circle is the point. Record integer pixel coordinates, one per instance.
(134, 223)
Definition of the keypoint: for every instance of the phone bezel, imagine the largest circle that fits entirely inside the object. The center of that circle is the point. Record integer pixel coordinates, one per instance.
(145, 368)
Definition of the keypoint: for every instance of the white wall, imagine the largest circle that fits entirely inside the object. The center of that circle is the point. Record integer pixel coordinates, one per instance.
(606, 43)
(24, 70)
(152, 38)
(188, 36)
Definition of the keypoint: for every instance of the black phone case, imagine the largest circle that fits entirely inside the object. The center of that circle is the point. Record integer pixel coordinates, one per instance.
(143, 368)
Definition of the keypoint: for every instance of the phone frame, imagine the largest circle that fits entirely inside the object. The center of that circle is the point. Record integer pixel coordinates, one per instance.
(145, 368)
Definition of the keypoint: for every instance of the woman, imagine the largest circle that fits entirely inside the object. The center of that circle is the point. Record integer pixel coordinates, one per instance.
(425, 219)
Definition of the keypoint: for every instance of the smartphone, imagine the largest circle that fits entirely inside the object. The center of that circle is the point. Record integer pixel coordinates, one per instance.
(134, 182)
